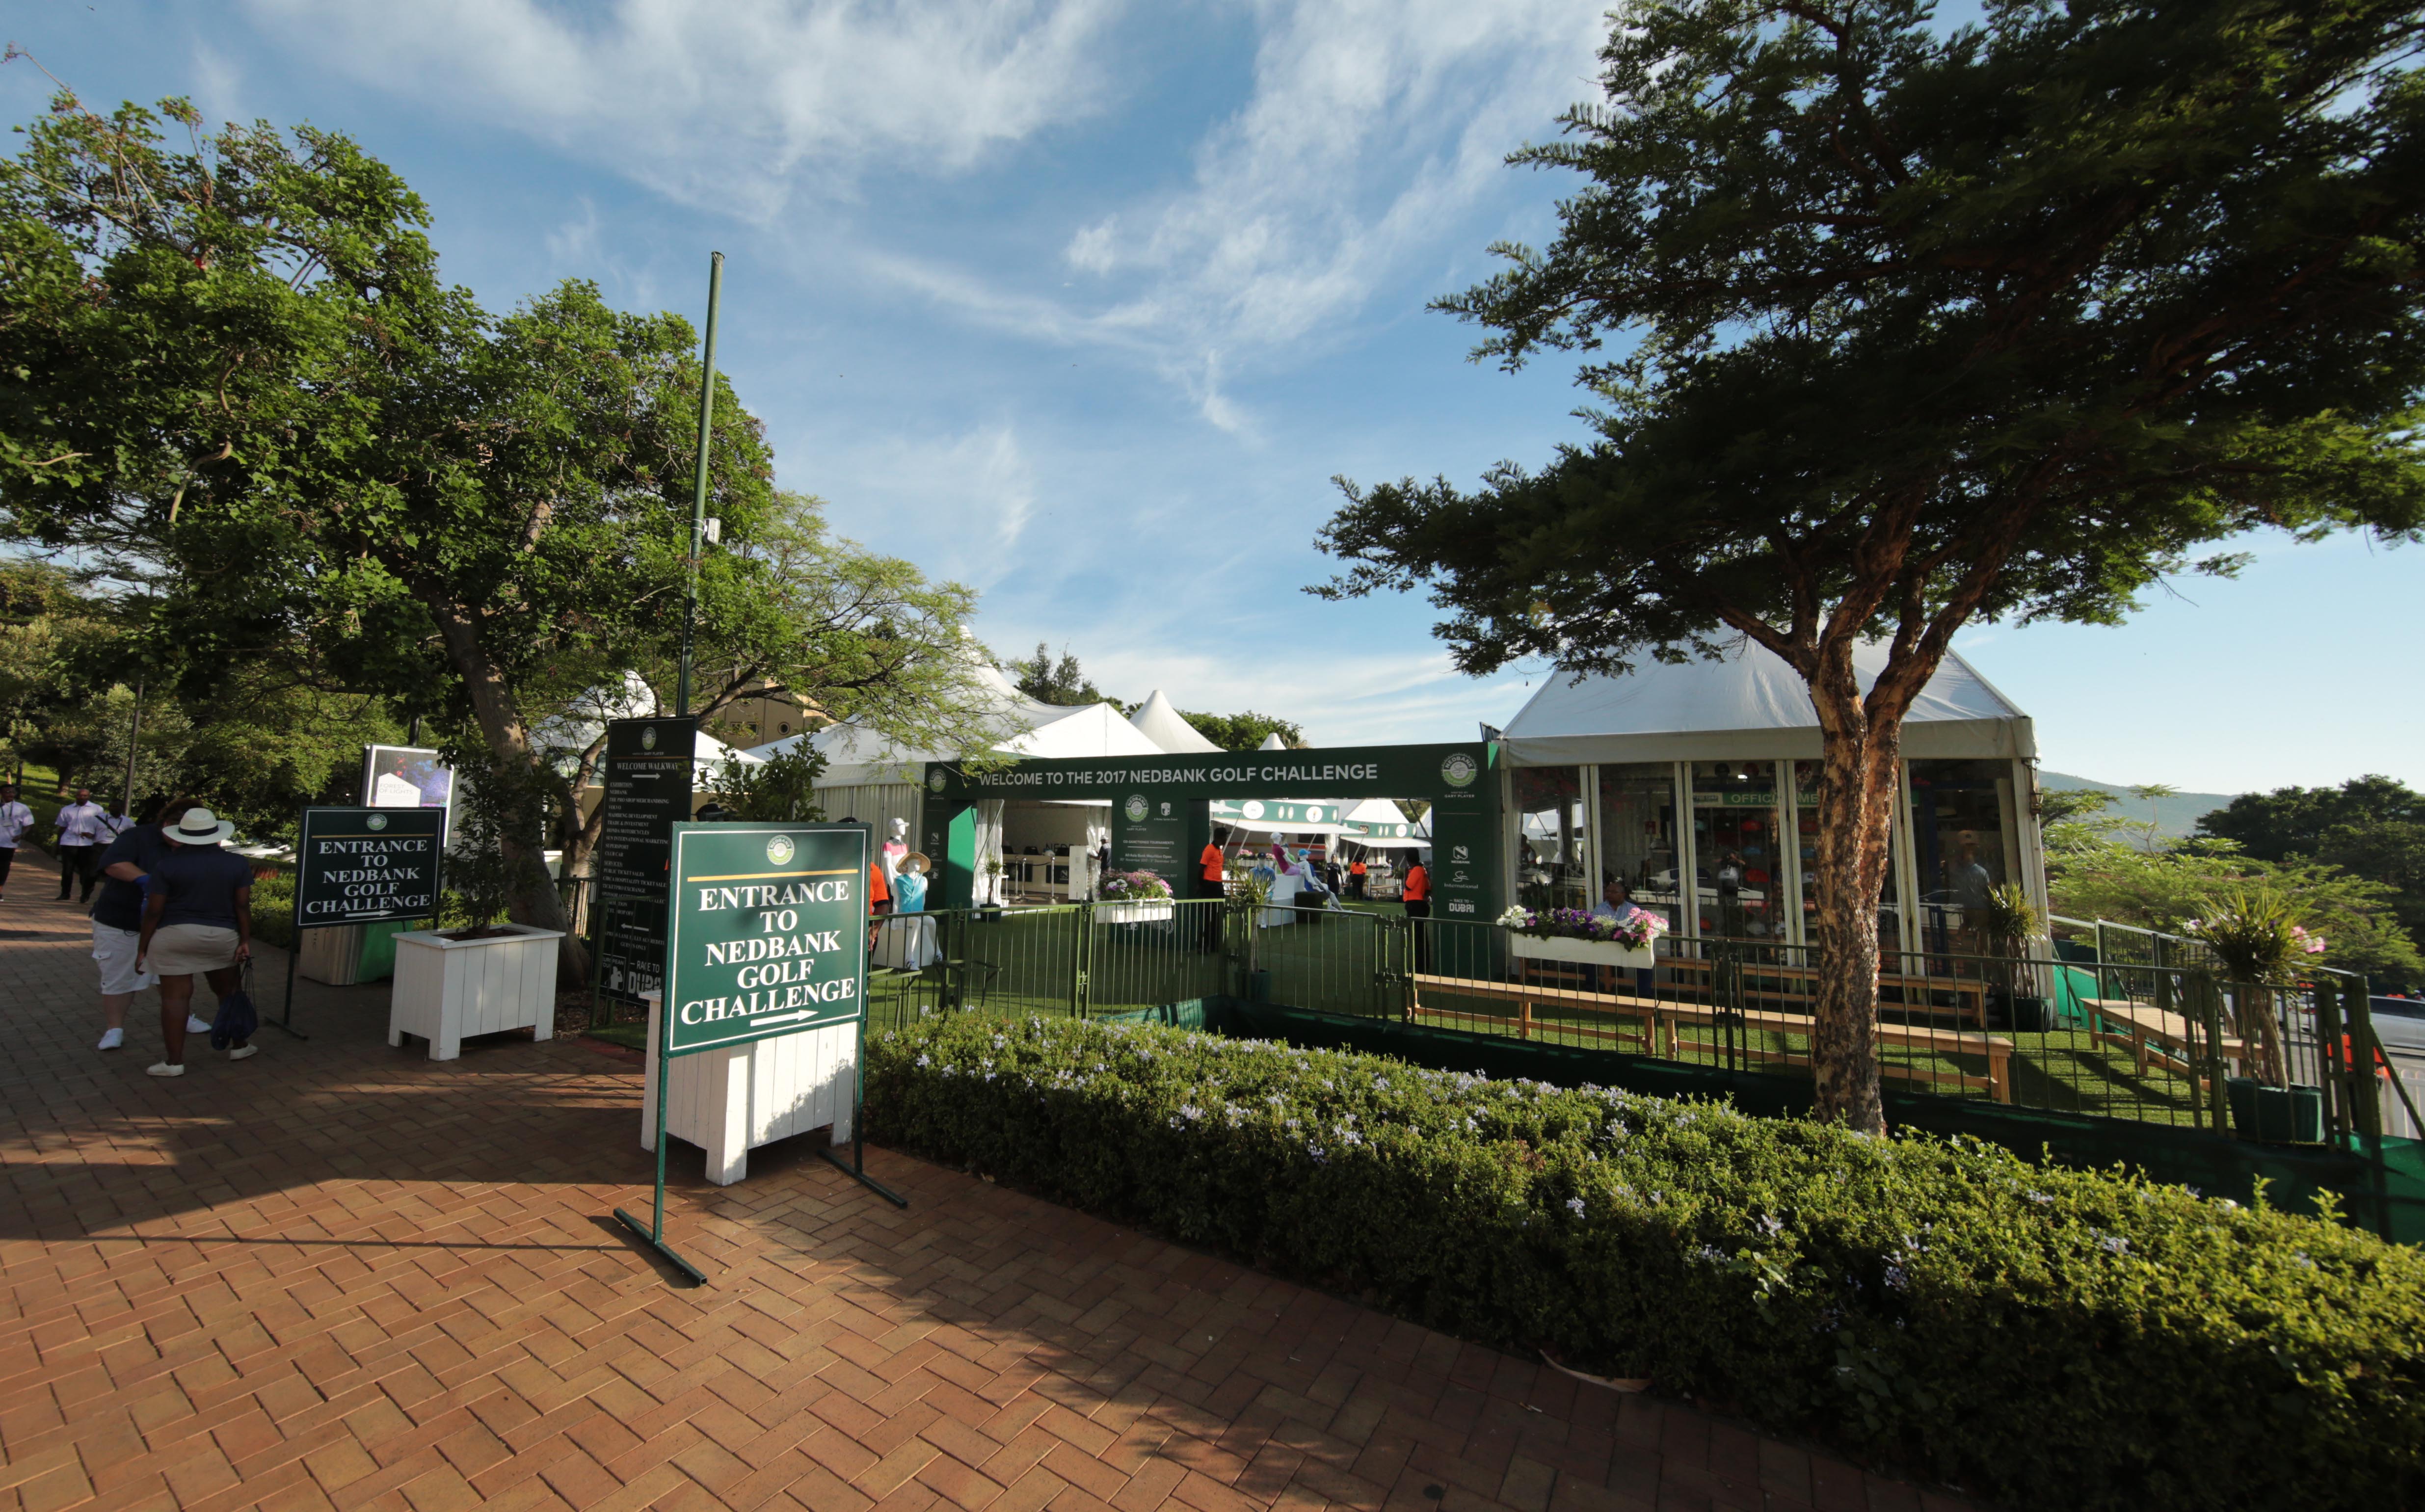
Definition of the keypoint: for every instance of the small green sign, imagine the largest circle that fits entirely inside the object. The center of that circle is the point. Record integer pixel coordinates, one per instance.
(770, 932)
(359, 865)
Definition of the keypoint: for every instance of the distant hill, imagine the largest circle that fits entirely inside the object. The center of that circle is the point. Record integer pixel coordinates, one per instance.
(2175, 816)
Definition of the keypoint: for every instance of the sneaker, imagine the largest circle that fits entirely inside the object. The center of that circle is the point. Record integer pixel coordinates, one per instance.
(240, 1052)
(111, 1039)
(196, 1025)
(164, 1068)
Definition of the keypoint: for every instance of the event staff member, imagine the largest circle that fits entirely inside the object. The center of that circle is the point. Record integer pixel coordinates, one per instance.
(879, 900)
(1211, 881)
(15, 819)
(1356, 878)
(1419, 906)
(84, 829)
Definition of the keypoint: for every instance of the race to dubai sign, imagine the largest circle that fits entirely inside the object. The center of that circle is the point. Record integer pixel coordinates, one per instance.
(769, 931)
(363, 865)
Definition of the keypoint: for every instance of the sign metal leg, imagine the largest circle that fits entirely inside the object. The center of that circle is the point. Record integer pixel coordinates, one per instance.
(286, 1007)
(655, 1231)
(857, 1170)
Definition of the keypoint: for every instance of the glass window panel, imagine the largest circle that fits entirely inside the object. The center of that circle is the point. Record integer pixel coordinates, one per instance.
(1962, 846)
(1553, 852)
(1637, 835)
(1738, 850)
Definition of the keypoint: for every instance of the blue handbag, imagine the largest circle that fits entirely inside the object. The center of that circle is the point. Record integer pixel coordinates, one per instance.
(238, 1021)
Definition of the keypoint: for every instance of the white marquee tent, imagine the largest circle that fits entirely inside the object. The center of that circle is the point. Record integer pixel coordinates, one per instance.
(1749, 705)
(1161, 723)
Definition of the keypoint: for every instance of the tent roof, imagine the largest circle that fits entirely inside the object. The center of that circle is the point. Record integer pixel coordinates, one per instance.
(1095, 730)
(1748, 703)
(855, 755)
(1163, 725)
(1272, 742)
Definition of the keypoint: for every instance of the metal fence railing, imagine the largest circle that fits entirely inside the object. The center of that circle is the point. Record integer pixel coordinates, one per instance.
(2140, 1030)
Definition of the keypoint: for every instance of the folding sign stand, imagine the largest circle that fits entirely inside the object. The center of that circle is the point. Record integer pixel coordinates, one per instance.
(362, 866)
(766, 935)
(857, 1170)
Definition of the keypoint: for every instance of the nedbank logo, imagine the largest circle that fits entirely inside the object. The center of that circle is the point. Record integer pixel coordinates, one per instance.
(1457, 853)
(375, 822)
(649, 738)
(935, 781)
(1136, 808)
(1459, 770)
(778, 850)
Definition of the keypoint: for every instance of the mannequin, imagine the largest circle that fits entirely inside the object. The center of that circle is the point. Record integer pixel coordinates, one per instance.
(896, 844)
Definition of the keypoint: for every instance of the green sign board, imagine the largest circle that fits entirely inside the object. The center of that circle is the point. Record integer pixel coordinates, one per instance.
(1341, 772)
(1259, 813)
(363, 865)
(768, 932)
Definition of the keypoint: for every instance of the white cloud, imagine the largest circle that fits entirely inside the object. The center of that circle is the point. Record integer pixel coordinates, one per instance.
(973, 496)
(1375, 129)
(732, 103)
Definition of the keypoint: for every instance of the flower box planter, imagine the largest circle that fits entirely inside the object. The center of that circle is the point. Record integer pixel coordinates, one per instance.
(1590, 952)
(446, 990)
(1158, 913)
(729, 1101)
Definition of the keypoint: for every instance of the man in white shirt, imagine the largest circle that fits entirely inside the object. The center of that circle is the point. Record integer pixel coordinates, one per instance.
(83, 829)
(15, 819)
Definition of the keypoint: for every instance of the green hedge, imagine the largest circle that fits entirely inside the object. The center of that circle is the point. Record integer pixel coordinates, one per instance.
(2046, 1337)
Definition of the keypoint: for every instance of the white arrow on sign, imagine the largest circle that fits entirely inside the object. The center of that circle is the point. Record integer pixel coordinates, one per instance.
(783, 1017)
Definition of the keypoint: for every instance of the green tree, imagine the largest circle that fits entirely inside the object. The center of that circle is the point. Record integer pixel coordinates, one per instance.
(1244, 731)
(1892, 327)
(1046, 680)
(2371, 826)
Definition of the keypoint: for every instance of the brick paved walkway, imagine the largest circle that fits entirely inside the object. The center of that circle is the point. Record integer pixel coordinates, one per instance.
(337, 1275)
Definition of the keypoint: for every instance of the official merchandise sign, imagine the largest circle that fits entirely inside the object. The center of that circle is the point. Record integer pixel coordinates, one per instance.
(768, 932)
(363, 865)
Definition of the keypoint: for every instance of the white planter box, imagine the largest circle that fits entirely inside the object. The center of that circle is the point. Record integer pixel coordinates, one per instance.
(1133, 912)
(729, 1101)
(1592, 952)
(447, 988)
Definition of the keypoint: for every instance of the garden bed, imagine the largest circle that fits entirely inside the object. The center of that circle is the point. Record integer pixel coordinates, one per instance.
(2046, 1337)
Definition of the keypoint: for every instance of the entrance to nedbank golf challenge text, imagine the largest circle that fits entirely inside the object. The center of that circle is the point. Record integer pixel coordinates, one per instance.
(770, 932)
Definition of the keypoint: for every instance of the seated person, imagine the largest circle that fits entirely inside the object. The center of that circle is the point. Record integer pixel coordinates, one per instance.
(1617, 903)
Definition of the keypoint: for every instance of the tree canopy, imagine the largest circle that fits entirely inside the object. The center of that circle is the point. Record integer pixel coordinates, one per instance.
(2372, 827)
(1891, 326)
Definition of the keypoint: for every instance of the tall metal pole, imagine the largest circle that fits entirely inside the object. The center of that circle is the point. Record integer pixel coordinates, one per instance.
(133, 735)
(698, 491)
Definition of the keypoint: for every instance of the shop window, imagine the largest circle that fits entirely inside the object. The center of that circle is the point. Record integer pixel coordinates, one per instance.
(1738, 851)
(1553, 852)
(1806, 825)
(1961, 829)
(1637, 835)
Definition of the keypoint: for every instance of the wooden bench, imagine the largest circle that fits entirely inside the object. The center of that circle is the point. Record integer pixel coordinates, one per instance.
(1970, 993)
(2153, 1034)
(1662, 1021)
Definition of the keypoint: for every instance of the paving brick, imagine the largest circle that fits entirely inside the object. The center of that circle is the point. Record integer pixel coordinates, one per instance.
(342, 1275)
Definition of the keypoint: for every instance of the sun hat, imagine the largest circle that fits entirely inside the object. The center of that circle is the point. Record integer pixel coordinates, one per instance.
(200, 827)
(916, 861)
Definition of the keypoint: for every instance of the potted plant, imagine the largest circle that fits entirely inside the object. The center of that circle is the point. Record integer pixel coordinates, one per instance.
(1574, 935)
(989, 898)
(1134, 897)
(486, 975)
(2007, 920)
(2261, 951)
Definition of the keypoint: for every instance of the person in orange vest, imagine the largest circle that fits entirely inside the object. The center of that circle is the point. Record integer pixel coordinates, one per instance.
(1356, 879)
(1211, 881)
(1419, 907)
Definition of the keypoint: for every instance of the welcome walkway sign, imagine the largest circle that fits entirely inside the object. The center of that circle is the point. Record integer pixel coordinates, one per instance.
(767, 935)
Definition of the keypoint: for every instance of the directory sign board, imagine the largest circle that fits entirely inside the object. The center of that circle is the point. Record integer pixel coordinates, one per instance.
(768, 931)
(363, 865)
(647, 775)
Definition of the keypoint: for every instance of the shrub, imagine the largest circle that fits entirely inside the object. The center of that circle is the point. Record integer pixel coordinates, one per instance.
(273, 909)
(2048, 1337)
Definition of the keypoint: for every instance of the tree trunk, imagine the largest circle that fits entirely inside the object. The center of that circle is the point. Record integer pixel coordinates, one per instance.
(1855, 802)
(533, 899)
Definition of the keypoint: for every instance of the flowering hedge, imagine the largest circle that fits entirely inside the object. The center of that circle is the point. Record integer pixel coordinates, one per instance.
(2048, 1337)
(1133, 886)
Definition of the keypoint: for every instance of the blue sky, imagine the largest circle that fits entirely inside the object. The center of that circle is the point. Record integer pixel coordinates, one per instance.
(1084, 303)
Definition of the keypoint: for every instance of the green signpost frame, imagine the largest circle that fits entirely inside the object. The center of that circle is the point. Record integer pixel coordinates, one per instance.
(363, 865)
(767, 935)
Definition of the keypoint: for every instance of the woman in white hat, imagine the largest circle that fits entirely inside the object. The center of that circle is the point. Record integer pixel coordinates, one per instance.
(197, 921)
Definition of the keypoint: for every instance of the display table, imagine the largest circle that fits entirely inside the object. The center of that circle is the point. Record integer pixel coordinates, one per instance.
(906, 942)
(729, 1101)
(446, 990)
